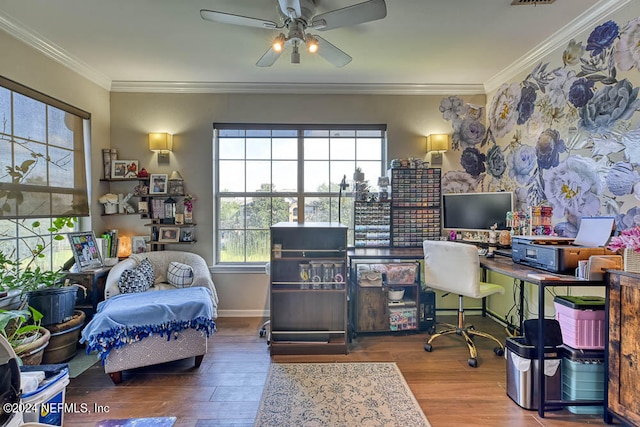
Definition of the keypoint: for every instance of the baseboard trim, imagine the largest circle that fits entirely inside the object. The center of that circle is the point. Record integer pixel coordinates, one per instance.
(244, 313)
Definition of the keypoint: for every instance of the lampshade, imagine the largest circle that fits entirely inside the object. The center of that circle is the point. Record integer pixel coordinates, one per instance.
(160, 141)
(438, 142)
(175, 176)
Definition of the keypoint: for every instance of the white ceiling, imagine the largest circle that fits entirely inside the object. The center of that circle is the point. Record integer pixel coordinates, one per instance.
(422, 46)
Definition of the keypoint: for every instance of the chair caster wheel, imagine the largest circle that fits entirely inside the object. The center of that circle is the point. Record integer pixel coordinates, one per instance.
(473, 362)
(262, 332)
(428, 347)
(498, 351)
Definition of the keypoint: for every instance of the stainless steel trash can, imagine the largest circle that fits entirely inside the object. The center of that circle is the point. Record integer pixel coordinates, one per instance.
(523, 371)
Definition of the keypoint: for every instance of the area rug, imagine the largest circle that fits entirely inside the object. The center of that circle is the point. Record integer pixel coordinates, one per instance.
(138, 422)
(338, 394)
(81, 362)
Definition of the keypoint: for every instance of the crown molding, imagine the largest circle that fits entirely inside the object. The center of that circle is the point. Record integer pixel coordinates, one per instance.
(296, 88)
(588, 19)
(50, 50)
(597, 13)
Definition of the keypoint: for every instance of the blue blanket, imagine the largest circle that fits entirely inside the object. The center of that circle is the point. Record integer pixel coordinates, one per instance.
(128, 318)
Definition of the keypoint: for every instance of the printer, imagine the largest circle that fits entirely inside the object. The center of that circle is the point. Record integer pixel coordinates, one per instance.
(561, 254)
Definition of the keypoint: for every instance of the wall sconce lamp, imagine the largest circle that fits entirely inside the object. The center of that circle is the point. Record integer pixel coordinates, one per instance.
(437, 143)
(161, 143)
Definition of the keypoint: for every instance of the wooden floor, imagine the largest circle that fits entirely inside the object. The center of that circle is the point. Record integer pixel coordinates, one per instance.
(226, 389)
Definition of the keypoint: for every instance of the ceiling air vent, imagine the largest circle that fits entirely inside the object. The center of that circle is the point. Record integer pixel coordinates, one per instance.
(527, 2)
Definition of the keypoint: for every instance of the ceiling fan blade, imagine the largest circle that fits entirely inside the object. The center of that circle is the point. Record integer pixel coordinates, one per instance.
(269, 58)
(332, 53)
(228, 18)
(367, 11)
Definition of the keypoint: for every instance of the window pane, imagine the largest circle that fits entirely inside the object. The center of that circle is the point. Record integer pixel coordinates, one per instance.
(285, 148)
(258, 212)
(283, 209)
(231, 148)
(258, 176)
(231, 176)
(343, 133)
(369, 149)
(258, 246)
(258, 148)
(285, 176)
(343, 149)
(5, 111)
(317, 209)
(29, 117)
(339, 170)
(230, 213)
(316, 149)
(61, 126)
(231, 246)
(316, 176)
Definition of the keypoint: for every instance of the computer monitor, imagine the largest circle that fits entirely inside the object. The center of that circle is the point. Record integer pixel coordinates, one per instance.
(476, 211)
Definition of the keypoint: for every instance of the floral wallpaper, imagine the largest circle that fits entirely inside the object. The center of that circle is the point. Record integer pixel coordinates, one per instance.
(569, 136)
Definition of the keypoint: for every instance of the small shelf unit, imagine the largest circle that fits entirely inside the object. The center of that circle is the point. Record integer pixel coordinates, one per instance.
(308, 311)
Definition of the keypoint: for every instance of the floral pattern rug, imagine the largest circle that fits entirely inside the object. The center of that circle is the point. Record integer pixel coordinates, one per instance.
(338, 394)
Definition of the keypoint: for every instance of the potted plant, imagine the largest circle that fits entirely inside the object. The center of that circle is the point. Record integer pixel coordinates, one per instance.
(627, 243)
(24, 333)
(42, 289)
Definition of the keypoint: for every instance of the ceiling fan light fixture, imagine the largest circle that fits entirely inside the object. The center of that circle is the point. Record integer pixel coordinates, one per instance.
(295, 54)
(312, 44)
(278, 43)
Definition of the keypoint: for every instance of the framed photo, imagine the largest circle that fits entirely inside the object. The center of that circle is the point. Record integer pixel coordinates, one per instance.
(121, 169)
(85, 250)
(138, 244)
(169, 234)
(187, 235)
(179, 219)
(143, 207)
(158, 183)
(175, 187)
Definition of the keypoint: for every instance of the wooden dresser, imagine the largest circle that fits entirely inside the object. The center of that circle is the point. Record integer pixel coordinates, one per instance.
(622, 397)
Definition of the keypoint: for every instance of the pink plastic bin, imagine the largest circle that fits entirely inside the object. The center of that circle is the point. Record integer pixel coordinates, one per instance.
(581, 321)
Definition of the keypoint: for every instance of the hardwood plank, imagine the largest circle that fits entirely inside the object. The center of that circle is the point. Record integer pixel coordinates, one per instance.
(226, 389)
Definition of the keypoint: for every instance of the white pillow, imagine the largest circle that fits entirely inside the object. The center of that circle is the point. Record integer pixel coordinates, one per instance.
(179, 275)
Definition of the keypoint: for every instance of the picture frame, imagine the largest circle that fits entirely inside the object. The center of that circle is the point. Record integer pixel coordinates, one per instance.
(85, 250)
(123, 169)
(175, 187)
(169, 235)
(139, 244)
(158, 183)
(186, 235)
(143, 207)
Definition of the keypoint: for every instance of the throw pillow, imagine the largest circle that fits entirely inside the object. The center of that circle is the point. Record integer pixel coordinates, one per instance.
(179, 275)
(138, 279)
(147, 268)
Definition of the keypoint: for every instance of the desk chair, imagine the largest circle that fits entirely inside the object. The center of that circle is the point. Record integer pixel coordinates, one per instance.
(455, 268)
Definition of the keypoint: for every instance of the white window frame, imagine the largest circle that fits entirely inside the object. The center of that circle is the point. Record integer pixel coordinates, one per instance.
(299, 194)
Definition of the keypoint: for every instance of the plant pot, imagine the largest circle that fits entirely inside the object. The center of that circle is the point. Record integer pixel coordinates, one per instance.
(31, 353)
(63, 344)
(55, 304)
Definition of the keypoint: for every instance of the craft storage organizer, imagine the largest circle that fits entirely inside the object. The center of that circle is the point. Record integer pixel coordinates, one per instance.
(372, 224)
(415, 206)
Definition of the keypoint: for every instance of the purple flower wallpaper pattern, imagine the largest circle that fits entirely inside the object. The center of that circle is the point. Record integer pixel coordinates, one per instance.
(567, 136)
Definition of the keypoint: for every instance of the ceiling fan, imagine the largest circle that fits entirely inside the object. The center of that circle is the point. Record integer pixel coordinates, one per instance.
(297, 17)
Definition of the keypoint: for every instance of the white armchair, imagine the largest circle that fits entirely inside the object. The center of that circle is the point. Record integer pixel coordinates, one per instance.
(157, 349)
(160, 261)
